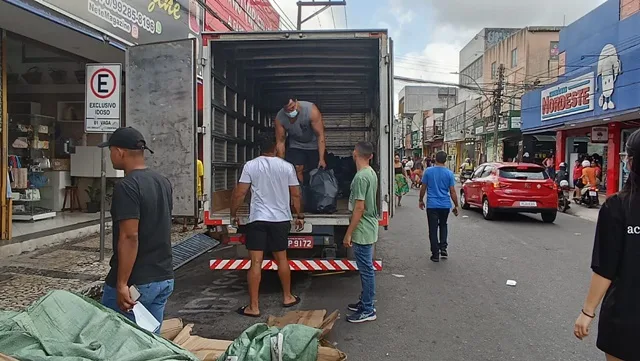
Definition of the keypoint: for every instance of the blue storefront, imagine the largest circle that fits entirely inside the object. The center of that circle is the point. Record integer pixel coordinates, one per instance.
(594, 105)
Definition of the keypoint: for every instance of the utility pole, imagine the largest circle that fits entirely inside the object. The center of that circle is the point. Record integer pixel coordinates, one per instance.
(497, 109)
(325, 5)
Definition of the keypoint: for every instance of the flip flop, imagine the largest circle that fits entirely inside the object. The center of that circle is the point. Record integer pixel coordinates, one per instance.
(241, 312)
(287, 305)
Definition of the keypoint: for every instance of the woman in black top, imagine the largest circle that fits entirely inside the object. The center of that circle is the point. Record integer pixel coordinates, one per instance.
(616, 269)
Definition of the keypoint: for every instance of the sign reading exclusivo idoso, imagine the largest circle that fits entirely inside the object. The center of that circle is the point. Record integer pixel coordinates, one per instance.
(572, 97)
(137, 21)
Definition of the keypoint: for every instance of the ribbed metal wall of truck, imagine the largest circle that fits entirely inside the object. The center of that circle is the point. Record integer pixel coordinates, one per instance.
(347, 74)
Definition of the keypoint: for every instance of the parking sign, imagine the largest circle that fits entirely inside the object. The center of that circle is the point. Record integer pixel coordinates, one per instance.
(103, 95)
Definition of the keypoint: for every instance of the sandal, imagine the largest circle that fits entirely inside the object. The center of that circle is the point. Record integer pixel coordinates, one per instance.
(241, 312)
(287, 305)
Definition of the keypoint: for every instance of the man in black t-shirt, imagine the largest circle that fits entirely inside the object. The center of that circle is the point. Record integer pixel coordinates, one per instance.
(141, 212)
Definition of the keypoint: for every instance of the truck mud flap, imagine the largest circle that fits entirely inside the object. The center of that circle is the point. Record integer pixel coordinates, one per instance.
(319, 265)
(191, 248)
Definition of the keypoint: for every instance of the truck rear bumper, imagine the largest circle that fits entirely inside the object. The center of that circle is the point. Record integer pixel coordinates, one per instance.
(319, 265)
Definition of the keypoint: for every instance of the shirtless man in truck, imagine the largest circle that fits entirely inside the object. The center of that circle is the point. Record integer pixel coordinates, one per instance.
(302, 122)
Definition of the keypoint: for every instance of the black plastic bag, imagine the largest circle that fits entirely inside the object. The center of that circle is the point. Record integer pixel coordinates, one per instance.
(322, 193)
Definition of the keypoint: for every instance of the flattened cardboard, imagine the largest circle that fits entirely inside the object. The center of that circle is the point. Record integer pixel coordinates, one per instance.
(308, 318)
(171, 328)
(4, 357)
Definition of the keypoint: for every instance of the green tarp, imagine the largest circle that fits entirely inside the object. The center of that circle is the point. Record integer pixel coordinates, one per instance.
(65, 326)
(263, 343)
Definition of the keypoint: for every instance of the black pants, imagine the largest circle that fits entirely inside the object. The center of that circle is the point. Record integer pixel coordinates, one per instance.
(437, 218)
(268, 236)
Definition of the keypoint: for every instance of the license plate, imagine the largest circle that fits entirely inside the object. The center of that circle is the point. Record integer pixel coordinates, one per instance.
(593, 194)
(300, 242)
(528, 204)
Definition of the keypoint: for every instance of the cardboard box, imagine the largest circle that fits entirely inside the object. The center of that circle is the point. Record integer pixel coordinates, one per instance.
(209, 349)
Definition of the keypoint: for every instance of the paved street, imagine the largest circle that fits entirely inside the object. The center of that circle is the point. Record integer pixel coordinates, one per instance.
(459, 309)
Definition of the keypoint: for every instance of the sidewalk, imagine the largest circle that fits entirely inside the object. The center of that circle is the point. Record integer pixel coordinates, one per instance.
(71, 266)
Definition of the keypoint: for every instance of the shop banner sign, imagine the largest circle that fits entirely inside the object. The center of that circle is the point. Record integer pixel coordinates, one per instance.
(599, 134)
(516, 122)
(137, 21)
(573, 97)
(102, 96)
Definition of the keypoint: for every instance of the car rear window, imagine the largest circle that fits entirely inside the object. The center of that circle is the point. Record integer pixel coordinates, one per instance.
(531, 173)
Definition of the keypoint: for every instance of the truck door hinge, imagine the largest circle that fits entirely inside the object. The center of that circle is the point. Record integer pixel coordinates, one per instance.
(386, 129)
(202, 130)
(386, 59)
(203, 62)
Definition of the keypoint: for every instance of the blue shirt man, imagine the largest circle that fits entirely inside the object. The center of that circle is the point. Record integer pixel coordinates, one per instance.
(438, 183)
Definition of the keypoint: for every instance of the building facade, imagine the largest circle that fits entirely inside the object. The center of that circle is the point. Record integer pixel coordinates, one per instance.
(459, 132)
(593, 107)
(412, 102)
(45, 47)
(471, 63)
(529, 57)
(433, 131)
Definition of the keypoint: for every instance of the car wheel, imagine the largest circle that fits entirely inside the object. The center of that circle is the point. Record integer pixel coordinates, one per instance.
(463, 201)
(487, 211)
(549, 217)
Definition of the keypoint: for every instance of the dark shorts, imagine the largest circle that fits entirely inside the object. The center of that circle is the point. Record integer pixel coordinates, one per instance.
(268, 236)
(300, 157)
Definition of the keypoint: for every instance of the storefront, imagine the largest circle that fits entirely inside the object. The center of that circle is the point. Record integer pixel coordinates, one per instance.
(509, 137)
(595, 104)
(46, 45)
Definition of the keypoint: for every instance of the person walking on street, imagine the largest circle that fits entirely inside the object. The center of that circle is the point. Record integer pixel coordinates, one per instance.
(615, 260)
(439, 184)
(274, 185)
(362, 233)
(401, 184)
(141, 213)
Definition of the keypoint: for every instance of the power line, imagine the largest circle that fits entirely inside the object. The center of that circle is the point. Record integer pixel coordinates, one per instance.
(333, 18)
(290, 23)
(346, 19)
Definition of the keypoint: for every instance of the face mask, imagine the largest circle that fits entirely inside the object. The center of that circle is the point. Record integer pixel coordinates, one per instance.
(293, 114)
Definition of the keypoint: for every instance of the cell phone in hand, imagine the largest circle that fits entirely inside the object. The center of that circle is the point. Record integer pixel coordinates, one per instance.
(135, 294)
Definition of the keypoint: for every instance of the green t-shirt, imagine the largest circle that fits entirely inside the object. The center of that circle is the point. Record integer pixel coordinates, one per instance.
(365, 188)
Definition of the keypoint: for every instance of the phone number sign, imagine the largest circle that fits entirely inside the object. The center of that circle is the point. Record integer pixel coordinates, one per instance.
(103, 97)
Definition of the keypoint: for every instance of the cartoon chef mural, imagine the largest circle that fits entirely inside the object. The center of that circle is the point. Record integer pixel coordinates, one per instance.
(609, 67)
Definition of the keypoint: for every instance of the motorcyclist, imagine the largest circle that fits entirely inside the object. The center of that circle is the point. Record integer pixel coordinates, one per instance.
(589, 178)
(562, 173)
(466, 168)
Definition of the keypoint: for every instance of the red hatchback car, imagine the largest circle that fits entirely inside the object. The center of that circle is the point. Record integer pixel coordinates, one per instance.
(511, 187)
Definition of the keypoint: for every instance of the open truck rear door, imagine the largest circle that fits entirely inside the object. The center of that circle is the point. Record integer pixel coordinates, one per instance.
(161, 103)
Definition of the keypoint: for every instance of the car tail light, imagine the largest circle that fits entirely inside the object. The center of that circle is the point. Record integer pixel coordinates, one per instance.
(499, 185)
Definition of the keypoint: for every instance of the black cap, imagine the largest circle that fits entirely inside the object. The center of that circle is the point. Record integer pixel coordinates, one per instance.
(126, 138)
(633, 144)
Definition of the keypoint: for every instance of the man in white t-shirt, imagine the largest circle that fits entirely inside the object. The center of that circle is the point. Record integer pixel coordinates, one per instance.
(274, 188)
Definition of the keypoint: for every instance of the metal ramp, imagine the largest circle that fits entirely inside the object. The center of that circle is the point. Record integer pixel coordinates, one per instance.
(191, 248)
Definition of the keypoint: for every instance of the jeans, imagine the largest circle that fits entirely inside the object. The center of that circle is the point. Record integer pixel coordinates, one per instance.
(364, 260)
(153, 297)
(437, 218)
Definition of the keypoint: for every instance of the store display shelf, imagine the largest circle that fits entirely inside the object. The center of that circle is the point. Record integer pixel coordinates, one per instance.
(47, 89)
(32, 217)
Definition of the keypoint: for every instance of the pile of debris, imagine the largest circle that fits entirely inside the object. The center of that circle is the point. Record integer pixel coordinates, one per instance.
(211, 350)
(65, 325)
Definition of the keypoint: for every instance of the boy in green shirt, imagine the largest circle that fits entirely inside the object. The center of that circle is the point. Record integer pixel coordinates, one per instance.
(363, 230)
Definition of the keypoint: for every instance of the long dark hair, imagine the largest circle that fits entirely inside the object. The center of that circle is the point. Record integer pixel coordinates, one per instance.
(632, 185)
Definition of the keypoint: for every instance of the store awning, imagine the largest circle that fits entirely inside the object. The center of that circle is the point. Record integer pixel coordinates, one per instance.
(545, 138)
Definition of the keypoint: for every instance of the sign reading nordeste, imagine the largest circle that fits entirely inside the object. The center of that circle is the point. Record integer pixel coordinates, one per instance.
(572, 97)
(103, 97)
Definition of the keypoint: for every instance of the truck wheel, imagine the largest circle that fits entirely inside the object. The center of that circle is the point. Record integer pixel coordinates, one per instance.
(549, 217)
(487, 211)
(463, 201)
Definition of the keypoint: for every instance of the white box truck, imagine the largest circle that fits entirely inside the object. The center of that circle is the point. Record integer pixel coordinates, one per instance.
(348, 74)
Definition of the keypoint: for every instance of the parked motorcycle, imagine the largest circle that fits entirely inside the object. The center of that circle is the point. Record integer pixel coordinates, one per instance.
(465, 175)
(563, 196)
(589, 198)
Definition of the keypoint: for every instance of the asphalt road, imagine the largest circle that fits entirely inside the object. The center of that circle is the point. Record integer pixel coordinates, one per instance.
(459, 309)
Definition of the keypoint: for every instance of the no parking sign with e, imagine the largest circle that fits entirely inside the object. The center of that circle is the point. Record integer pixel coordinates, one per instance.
(102, 98)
